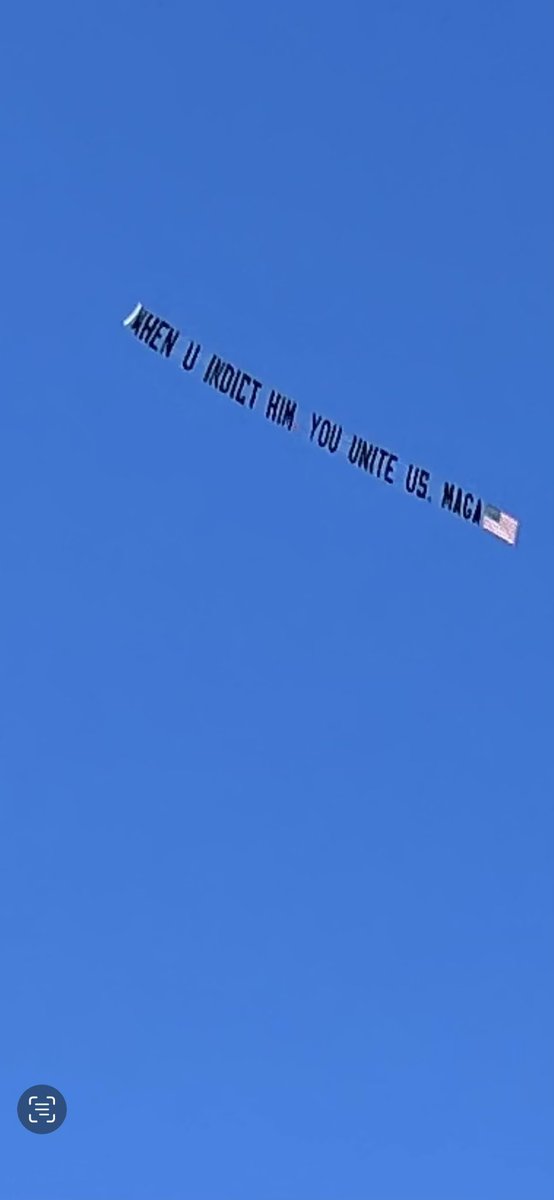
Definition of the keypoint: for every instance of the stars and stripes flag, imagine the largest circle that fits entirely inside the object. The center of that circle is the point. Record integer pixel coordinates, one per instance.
(227, 378)
(499, 523)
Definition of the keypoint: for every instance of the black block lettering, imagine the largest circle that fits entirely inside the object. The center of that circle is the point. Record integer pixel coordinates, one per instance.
(272, 407)
(163, 325)
(213, 371)
(170, 342)
(323, 435)
(149, 328)
(226, 378)
(334, 440)
(389, 469)
(468, 506)
(411, 478)
(448, 496)
(256, 385)
(354, 449)
(372, 460)
(364, 454)
(422, 487)
(190, 356)
(382, 457)
(316, 421)
(289, 413)
(243, 379)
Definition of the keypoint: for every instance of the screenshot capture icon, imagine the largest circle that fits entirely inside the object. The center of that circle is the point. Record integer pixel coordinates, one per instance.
(42, 1109)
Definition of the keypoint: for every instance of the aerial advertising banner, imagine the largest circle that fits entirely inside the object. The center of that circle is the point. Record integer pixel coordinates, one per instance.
(327, 434)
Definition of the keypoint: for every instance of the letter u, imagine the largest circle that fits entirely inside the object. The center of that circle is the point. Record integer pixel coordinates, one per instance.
(354, 449)
(411, 478)
(190, 356)
(334, 440)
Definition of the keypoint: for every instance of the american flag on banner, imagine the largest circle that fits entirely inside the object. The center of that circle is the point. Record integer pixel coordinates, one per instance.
(499, 523)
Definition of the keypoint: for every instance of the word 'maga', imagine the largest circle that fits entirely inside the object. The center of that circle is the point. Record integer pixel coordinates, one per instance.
(245, 389)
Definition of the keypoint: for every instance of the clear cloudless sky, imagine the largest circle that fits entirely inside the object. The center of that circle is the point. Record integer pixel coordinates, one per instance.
(276, 738)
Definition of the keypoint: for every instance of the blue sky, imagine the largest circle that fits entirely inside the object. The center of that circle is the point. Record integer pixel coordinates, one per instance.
(276, 863)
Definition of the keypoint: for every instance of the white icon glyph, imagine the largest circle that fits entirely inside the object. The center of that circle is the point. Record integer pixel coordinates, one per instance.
(42, 1108)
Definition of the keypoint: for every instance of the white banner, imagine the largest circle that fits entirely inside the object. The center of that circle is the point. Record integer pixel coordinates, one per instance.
(245, 389)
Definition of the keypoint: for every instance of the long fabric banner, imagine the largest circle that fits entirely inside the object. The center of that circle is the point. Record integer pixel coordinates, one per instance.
(328, 435)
